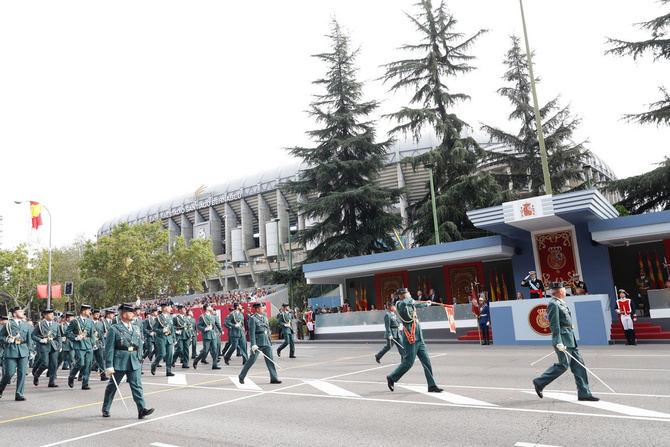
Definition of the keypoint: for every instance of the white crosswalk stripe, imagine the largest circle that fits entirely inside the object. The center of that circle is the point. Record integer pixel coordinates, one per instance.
(247, 385)
(178, 379)
(601, 405)
(330, 389)
(449, 397)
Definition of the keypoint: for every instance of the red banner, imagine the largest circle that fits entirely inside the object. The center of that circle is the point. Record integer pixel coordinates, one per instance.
(43, 291)
(555, 252)
(223, 312)
(450, 316)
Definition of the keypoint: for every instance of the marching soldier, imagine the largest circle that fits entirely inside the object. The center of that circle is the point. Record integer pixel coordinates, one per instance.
(236, 336)
(259, 337)
(194, 334)
(285, 320)
(413, 343)
(3, 320)
(98, 344)
(163, 340)
(15, 335)
(150, 333)
(625, 307)
(123, 348)
(207, 326)
(534, 284)
(65, 356)
(81, 333)
(218, 331)
(183, 335)
(484, 321)
(391, 333)
(227, 345)
(563, 339)
(46, 338)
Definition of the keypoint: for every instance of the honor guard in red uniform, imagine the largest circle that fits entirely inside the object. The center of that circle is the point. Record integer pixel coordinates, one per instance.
(625, 307)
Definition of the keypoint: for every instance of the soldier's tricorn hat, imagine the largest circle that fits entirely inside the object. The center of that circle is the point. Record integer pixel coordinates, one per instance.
(109, 312)
(47, 311)
(401, 291)
(622, 290)
(69, 314)
(165, 305)
(180, 306)
(126, 308)
(14, 309)
(4, 318)
(84, 307)
(284, 305)
(230, 309)
(557, 285)
(95, 311)
(154, 309)
(532, 272)
(257, 305)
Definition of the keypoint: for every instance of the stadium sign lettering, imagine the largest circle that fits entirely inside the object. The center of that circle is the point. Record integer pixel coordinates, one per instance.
(204, 203)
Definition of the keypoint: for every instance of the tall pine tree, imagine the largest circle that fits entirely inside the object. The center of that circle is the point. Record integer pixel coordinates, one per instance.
(645, 192)
(658, 45)
(350, 210)
(459, 186)
(525, 168)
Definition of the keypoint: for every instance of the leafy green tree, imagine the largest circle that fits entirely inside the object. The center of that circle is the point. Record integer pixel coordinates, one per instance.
(18, 278)
(525, 167)
(91, 290)
(645, 192)
(459, 186)
(658, 45)
(349, 208)
(187, 266)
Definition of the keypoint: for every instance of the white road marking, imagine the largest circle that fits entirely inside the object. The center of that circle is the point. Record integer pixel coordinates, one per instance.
(247, 385)
(372, 369)
(178, 379)
(330, 389)
(631, 369)
(609, 406)
(530, 444)
(160, 444)
(640, 355)
(448, 397)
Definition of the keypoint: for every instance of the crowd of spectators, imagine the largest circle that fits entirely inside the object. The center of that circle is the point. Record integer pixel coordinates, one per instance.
(216, 299)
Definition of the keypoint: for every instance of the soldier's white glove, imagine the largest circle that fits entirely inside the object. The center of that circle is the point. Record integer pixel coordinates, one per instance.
(429, 303)
(78, 338)
(287, 325)
(617, 311)
(43, 340)
(390, 337)
(95, 347)
(178, 332)
(561, 347)
(238, 325)
(488, 323)
(10, 339)
(60, 349)
(63, 339)
(153, 334)
(254, 348)
(207, 329)
(110, 371)
(166, 330)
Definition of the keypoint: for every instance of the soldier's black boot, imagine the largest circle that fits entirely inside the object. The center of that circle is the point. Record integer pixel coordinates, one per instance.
(632, 337)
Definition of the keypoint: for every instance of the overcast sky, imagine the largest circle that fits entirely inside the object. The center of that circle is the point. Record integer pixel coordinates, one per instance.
(107, 107)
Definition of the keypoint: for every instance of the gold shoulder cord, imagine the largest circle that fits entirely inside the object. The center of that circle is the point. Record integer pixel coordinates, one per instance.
(412, 316)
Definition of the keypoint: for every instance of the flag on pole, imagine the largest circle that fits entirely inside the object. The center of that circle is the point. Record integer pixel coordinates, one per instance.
(659, 272)
(493, 291)
(364, 298)
(498, 291)
(449, 309)
(36, 214)
(504, 285)
(475, 306)
(639, 261)
(358, 304)
(43, 291)
(652, 276)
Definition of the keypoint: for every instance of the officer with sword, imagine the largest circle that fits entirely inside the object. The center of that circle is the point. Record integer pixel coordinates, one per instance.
(259, 337)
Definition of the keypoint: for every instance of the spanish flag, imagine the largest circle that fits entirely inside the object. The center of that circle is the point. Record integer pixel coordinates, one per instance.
(36, 214)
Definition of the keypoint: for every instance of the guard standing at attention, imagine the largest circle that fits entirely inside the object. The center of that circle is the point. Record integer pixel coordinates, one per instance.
(563, 339)
(15, 335)
(391, 333)
(285, 320)
(534, 284)
(46, 338)
(123, 355)
(484, 321)
(259, 337)
(412, 342)
(81, 332)
(625, 307)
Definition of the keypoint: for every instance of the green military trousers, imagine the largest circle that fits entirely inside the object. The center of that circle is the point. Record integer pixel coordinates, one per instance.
(18, 366)
(412, 351)
(267, 350)
(564, 362)
(135, 382)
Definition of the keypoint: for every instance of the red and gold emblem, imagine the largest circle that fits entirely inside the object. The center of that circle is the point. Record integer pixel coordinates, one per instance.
(538, 319)
(527, 209)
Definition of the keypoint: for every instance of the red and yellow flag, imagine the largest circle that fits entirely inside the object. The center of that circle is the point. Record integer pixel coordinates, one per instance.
(652, 276)
(364, 299)
(504, 286)
(358, 304)
(493, 291)
(659, 272)
(36, 214)
(498, 291)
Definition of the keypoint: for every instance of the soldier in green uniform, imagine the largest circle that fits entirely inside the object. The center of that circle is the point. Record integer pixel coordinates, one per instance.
(65, 356)
(218, 331)
(150, 333)
(81, 333)
(236, 337)
(164, 340)
(182, 332)
(15, 335)
(412, 342)
(391, 325)
(285, 320)
(3, 320)
(47, 340)
(563, 339)
(194, 334)
(98, 345)
(207, 326)
(123, 351)
(259, 337)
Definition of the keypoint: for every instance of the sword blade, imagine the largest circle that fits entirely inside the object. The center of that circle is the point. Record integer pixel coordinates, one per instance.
(120, 395)
(540, 359)
(588, 370)
(268, 358)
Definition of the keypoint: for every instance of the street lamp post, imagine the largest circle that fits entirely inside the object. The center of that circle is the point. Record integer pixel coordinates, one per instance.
(18, 202)
(430, 167)
(290, 265)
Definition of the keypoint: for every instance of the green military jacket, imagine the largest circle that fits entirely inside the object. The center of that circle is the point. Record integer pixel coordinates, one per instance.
(194, 326)
(406, 310)
(232, 320)
(560, 323)
(66, 344)
(123, 348)
(83, 327)
(182, 327)
(139, 324)
(391, 324)
(163, 327)
(103, 326)
(206, 325)
(49, 332)
(259, 330)
(284, 319)
(20, 346)
(148, 327)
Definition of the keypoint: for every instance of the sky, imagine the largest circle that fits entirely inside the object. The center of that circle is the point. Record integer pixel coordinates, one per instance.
(110, 107)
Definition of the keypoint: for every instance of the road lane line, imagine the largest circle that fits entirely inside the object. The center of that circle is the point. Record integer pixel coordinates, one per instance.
(330, 389)
(530, 444)
(609, 406)
(448, 397)
(178, 379)
(247, 385)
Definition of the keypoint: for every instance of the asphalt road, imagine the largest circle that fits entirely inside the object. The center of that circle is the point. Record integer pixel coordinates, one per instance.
(335, 394)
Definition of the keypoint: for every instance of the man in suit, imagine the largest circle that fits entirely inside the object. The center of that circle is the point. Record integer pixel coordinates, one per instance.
(123, 351)
(259, 337)
(236, 334)
(391, 333)
(81, 332)
(413, 343)
(206, 326)
(47, 341)
(563, 339)
(15, 335)
(163, 340)
(285, 320)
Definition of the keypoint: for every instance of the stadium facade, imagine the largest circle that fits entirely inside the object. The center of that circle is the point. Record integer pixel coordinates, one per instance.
(249, 221)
